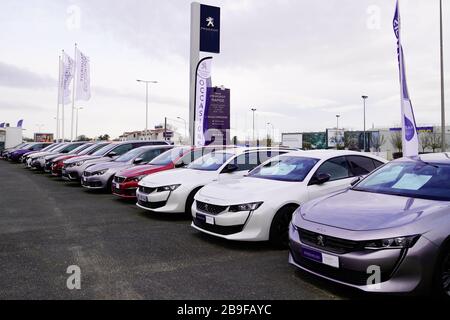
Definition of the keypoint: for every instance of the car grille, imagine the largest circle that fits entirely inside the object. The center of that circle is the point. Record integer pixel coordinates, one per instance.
(210, 208)
(92, 184)
(327, 243)
(119, 179)
(146, 190)
(223, 230)
(124, 192)
(152, 205)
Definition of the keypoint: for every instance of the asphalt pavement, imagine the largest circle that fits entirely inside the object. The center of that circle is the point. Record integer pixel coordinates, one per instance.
(123, 252)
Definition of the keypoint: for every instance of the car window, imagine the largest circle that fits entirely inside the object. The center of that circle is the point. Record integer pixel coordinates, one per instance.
(211, 162)
(337, 168)
(70, 147)
(247, 161)
(263, 156)
(285, 168)
(361, 165)
(151, 154)
(377, 163)
(122, 149)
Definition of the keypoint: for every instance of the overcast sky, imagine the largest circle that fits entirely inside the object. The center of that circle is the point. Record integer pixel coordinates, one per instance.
(299, 62)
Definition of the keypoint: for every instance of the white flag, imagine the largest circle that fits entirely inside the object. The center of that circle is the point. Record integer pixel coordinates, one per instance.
(83, 77)
(409, 127)
(203, 81)
(68, 66)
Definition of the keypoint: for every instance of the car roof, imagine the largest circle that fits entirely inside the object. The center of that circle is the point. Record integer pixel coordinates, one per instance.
(326, 154)
(443, 157)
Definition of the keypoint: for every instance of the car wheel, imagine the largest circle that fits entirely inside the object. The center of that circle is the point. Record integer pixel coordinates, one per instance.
(279, 230)
(190, 202)
(442, 283)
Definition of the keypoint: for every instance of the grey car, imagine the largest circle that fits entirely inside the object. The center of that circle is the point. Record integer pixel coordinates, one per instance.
(389, 233)
(100, 176)
(74, 168)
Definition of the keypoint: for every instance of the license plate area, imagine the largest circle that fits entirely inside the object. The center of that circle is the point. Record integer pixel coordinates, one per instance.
(205, 219)
(320, 257)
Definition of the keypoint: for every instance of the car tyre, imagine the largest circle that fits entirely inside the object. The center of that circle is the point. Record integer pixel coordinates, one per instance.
(279, 229)
(190, 202)
(442, 277)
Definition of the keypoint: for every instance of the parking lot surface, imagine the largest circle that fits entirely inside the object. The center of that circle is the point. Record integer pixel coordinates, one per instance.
(47, 225)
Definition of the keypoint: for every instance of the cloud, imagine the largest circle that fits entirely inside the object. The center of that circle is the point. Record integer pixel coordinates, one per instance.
(13, 76)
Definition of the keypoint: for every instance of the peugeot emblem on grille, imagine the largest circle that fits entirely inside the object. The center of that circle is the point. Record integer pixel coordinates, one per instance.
(320, 241)
(206, 206)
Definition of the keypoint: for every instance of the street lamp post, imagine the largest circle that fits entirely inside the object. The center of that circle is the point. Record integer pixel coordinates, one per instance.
(76, 125)
(147, 82)
(364, 100)
(253, 110)
(337, 121)
(185, 127)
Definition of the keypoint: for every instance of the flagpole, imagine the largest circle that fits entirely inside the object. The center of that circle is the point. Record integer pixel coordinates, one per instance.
(63, 137)
(73, 90)
(444, 146)
(401, 65)
(59, 98)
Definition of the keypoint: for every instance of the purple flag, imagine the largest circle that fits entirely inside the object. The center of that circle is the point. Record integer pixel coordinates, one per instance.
(20, 123)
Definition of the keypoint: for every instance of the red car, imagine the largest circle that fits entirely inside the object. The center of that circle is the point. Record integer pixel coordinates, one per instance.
(58, 163)
(126, 182)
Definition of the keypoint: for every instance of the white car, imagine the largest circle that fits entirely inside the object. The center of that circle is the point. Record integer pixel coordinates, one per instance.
(259, 207)
(173, 191)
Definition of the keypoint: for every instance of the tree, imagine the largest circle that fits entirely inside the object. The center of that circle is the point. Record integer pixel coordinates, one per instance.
(83, 138)
(378, 141)
(424, 139)
(104, 137)
(351, 141)
(397, 141)
(435, 141)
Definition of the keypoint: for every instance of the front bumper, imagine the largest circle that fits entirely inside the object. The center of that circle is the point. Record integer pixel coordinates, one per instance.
(95, 182)
(400, 271)
(239, 226)
(126, 190)
(164, 202)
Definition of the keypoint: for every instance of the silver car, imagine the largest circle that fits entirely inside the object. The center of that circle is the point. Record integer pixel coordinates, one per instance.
(74, 168)
(388, 233)
(100, 176)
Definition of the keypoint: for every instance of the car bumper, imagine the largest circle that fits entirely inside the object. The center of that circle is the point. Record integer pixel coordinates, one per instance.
(94, 182)
(400, 271)
(164, 202)
(239, 226)
(124, 190)
(72, 173)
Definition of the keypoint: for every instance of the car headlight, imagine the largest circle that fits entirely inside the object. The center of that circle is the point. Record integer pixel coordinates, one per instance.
(392, 243)
(78, 164)
(172, 187)
(245, 207)
(137, 179)
(99, 173)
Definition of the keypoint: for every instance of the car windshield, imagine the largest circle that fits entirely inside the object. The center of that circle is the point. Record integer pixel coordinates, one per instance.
(130, 155)
(414, 179)
(47, 148)
(104, 150)
(60, 148)
(285, 168)
(169, 156)
(93, 148)
(210, 162)
(79, 149)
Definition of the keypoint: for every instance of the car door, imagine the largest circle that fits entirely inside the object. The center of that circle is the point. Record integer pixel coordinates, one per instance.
(341, 177)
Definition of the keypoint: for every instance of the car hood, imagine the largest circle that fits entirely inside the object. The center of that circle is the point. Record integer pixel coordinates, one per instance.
(53, 156)
(365, 211)
(112, 166)
(179, 176)
(81, 158)
(139, 170)
(64, 157)
(237, 191)
(39, 154)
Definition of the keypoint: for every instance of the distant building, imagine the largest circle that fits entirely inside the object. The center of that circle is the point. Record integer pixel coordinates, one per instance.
(153, 134)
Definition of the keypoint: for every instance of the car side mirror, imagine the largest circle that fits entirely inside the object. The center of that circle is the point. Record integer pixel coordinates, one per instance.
(180, 165)
(355, 181)
(321, 178)
(230, 168)
(138, 161)
(112, 154)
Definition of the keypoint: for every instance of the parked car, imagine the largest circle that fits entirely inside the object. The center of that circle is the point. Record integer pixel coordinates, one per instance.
(173, 191)
(74, 149)
(259, 207)
(35, 146)
(29, 158)
(4, 152)
(390, 232)
(58, 163)
(40, 162)
(126, 181)
(47, 148)
(74, 168)
(101, 175)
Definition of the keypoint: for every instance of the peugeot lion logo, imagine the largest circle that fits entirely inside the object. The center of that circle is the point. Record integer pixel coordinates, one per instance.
(210, 21)
(320, 241)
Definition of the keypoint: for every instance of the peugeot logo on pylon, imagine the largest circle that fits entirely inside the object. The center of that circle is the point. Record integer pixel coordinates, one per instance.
(210, 21)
